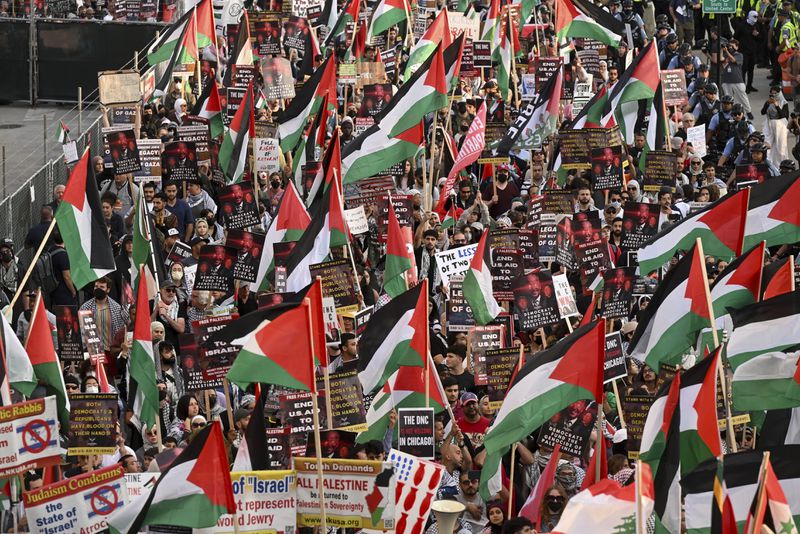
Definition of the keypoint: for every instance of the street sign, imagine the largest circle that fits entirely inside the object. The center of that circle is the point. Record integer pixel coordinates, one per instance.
(719, 6)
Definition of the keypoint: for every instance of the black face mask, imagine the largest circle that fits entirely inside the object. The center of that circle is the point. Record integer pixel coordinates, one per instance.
(275, 184)
(28, 314)
(166, 138)
(351, 114)
(6, 256)
(99, 294)
(554, 506)
(168, 361)
(502, 178)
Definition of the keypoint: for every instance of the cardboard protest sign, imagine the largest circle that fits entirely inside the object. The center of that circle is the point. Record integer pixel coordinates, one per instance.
(506, 265)
(278, 79)
(347, 401)
(338, 282)
(28, 436)
(249, 246)
(403, 209)
(356, 220)
(673, 83)
(124, 151)
(278, 448)
(237, 206)
(265, 501)
(215, 268)
(607, 166)
(296, 412)
(199, 135)
(69, 333)
(459, 313)
(89, 336)
(118, 87)
(78, 504)
(179, 161)
(660, 170)
(92, 423)
(614, 363)
(639, 223)
(618, 291)
(571, 427)
(454, 261)
(535, 301)
(479, 340)
(150, 160)
(215, 360)
(354, 491)
(267, 154)
(500, 366)
(547, 244)
(567, 307)
(636, 408)
(191, 372)
(371, 73)
(415, 432)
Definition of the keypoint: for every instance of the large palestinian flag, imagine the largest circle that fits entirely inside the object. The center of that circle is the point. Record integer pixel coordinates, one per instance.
(537, 121)
(436, 36)
(739, 284)
(699, 432)
(306, 103)
(164, 47)
(234, 150)
(386, 14)
(208, 106)
(768, 326)
(194, 491)
(142, 388)
(773, 215)
(396, 335)
(478, 284)
(313, 246)
(80, 222)
(677, 313)
(769, 381)
(581, 18)
(399, 257)
(720, 226)
(569, 371)
(375, 150)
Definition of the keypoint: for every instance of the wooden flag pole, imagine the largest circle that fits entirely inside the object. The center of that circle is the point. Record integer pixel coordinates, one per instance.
(640, 521)
(511, 480)
(315, 410)
(426, 368)
(598, 449)
(228, 408)
(760, 504)
(619, 403)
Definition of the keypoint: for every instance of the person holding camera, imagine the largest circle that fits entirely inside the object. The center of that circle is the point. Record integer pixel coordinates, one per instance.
(776, 125)
(732, 78)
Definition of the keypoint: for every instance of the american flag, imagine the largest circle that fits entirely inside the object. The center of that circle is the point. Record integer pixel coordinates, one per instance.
(417, 483)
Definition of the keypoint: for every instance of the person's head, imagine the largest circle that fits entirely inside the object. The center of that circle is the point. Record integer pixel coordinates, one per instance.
(72, 384)
(171, 190)
(430, 238)
(648, 375)
(555, 500)
(149, 190)
(167, 352)
(518, 525)
(91, 385)
(468, 483)
(58, 192)
(639, 140)
(464, 189)
(349, 345)
(130, 464)
(101, 287)
(665, 199)
(451, 456)
(168, 291)
(450, 386)
(470, 405)
(584, 196)
(455, 356)
(495, 513)
(170, 442)
(613, 73)
(159, 201)
(187, 407)
(157, 331)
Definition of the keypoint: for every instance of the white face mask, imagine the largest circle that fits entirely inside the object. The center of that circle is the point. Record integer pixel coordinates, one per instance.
(92, 389)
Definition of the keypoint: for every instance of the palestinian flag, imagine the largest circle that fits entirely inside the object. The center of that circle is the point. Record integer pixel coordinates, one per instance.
(660, 450)
(581, 18)
(313, 246)
(396, 335)
(677, 313)
(773, 216)
(538, 120)
(491, 25)
(591, 116)
(778, 277)
(306, 151)
(185, 52)
(387, 14)
(288, 225)
(252, 454)
(18, 369)
(42, 354)
(235, 146)
(208, 107)
(720, 226)
(356, 50)
(504, 55)
(532, 509)
(142, 388)
(399, 257)
(591, 470)
(608, 507)
(739, 284)
(194, 491)
(569, 371)
(450, 219)
(278, 352)
(62, 132)
(306, 103)
(699, 439)
(639, 82)
(81, 224)
(349, 13)
(452, 60)
(770, 506)
(771, 325)
(656, 133)
(769, 381)
(243, 53)
(375, 150)
(723, 520)
(741, 475)
(437, 36)
(144, 254)
(404, 389)
(478, 284)
(164, 47)
(204, 25)
(780, 427)
(339, 232)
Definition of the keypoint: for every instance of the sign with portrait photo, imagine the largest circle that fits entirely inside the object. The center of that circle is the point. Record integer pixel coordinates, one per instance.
(607, 166)
(124, 151)
(571, 428)
(618, 291)
(215, 268)
(639, 223)
(237, 206)
(278, 78)
(179, 161)
(535, 301)
(249, 246)
(69, 333)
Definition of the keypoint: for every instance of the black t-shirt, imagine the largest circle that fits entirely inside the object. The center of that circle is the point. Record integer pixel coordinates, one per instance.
(466, 381)
(61, 294)
(170, 334)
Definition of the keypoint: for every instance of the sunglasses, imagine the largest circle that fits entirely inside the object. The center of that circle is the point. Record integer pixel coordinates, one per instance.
(697, 163)
(71, 387)
(198, 425)
(555, 498)
(169, 289)
(466, 191)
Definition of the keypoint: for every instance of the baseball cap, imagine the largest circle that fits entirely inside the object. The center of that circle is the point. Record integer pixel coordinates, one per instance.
(468, 397)
(173, 232)
(167, 283)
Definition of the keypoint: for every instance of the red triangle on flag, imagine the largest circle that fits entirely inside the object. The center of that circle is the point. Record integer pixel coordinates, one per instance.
(211, 473)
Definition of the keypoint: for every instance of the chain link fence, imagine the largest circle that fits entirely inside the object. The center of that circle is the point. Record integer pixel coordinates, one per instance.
(21, 210)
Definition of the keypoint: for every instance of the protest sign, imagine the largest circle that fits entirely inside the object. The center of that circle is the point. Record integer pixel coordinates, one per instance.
(535, 300)
(751, 174)
(215, 268)
(479, 340)
(70, 150)
(278, 448)
(338, 282)
(593, 259)
(28, 436)
(249, 246)
(191, 372)
(506, 266)
(547, 244)
(123, 150)
(566, 300)
(696, 137)
(673, 84)
(482, 54)
(243, 75)
(278, 79)
(138, 484)
(358, 493)
(118, 87)
(347, 401)
(362, 319)
(267, 155)
(296, 412)
(614, 363)
(265, 502)
(565, 250)
(371, 73)
(376, 98)
(403, 209)
(92, 423)
(200, 136)
(215, 359)
(69, 333)
(78, 504)
(179, 253)
(529, 246)
(544, 67)
(356, 220)
(503, 238)
(571, 428)
(265, 28)
(415, 432)
(459, 313)
(660, 169)
(454, 261)
(639, 223)
(557, 202)
(367, 191)
(636, 408)
(237, 206)
(500, 366)
(233, 97)
(617, 291)
(150, 159)
(607, 168)
(295, 32)
(89, 335)
(179, 161)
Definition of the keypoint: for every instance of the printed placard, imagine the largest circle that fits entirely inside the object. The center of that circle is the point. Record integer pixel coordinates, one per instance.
(237, 206)
(500, 366)
(506, 266)
(179, 161)
(89, 335)
(617, 291)
(459, 313)
(356, 220)
(535, 301)
(338, 283)
(415, 432)
(614, 363)
(249, 246)
(267, 153)
(265, 502)
(124, 151)
(92, 423)
(481, 339)
(29, 436)
(571, 428)
(566, 300)
(639, 223)
(69, 333)
(347, 401)
(297, 413)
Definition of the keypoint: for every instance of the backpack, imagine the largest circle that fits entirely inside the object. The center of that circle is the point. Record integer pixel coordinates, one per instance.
(43, 274)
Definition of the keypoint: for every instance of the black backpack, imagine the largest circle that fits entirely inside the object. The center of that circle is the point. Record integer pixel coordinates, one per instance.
(43, 274)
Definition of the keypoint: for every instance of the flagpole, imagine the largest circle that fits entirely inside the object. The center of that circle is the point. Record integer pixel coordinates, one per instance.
(598, 450)
(619, 406)
(326, 377)
(511, 480)
(760, 504)
(428, 193)
(640, 521)
(729, 434)
(315, 412)
(427, 351)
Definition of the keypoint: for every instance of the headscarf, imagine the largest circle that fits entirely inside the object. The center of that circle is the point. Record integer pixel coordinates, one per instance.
(567, 477)
(178, 112)
(638, 196)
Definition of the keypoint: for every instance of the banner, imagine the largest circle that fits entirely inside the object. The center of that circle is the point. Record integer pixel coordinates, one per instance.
(92, 423)
(358, 493)
(454, 261)
(266, 502)
(415, 432)
(29, 439)
(77, 504)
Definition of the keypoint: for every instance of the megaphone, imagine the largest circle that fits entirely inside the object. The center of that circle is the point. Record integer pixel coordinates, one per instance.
(446, 513)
